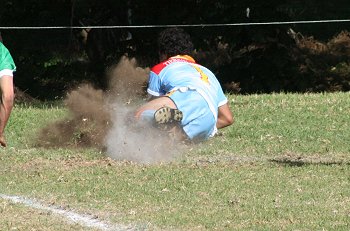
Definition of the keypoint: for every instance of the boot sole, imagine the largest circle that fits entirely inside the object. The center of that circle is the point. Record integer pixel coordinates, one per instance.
(167, 115)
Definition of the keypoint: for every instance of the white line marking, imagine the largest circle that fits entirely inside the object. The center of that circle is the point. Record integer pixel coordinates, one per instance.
(84, 220)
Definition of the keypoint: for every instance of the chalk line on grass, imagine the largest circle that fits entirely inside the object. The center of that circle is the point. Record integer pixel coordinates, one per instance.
(83, 220)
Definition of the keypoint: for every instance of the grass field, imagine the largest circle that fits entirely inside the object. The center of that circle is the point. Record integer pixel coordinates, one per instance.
(283, 165)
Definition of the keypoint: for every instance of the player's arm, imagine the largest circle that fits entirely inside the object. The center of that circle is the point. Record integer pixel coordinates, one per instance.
(225, 117)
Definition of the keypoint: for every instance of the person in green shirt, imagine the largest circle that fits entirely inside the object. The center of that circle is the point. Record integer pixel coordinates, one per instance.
(7, 67)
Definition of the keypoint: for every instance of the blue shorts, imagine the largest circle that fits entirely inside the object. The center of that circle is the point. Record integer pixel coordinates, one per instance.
(198, 121)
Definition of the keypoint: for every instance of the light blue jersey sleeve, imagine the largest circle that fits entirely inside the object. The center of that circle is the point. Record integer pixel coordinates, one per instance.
(154, 85)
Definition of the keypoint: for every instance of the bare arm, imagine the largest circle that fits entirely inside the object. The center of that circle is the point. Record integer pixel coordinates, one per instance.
(7, 98)
(225, 117)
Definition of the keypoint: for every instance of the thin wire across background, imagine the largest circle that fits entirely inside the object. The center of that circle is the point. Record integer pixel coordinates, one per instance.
(176, 25)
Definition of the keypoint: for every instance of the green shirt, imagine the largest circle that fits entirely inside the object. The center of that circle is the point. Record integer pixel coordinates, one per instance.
(7, 65)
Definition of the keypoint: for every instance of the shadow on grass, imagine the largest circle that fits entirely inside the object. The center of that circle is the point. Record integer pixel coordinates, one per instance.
(299, 162)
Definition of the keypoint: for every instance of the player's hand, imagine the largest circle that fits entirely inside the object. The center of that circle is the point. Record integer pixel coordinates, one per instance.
(2, 141)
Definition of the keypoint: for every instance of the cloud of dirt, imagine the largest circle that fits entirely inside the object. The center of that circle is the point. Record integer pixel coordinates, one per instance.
(138, 141)
(86, 124)
(129, 139)
(104, 119)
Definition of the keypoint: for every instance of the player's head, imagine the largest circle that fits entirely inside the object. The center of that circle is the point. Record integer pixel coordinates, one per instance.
(174, 41)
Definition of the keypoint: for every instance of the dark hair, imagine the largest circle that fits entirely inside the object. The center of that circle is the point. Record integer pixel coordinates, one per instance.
(174, 41)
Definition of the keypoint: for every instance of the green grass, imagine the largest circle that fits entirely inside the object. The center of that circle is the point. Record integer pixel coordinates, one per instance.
(26, 121)
(283, 165)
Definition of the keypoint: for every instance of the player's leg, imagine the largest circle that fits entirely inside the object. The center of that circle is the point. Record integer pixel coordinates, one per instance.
(148, 110)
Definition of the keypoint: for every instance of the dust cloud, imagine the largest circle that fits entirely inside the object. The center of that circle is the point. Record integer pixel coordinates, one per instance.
(104, 120)
(86, 124)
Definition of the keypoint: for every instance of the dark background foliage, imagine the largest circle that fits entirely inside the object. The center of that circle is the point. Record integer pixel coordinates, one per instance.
(246, 59)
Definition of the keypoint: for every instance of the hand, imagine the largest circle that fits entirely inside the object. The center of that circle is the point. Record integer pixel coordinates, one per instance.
(2, 141)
